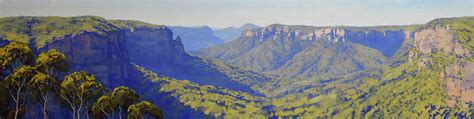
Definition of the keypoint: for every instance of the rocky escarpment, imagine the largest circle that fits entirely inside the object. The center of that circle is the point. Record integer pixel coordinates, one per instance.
(90, 43)
(385, 41)
(195, 38)
(294, 51)
(103, 55)
(153, 46)
(440, 39)
(231, 33)
(155, 49)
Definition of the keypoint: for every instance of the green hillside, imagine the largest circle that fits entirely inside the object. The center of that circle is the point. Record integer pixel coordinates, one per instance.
(128, 24)
(215, 101)
(43, 30)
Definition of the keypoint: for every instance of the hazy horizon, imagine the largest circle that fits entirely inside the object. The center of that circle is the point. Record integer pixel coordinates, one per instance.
(228, 13)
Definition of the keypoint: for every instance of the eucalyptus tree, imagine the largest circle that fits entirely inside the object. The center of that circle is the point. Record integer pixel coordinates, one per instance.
(41, 85)
(51, 62)
(144, 109)
(116, 102)
(17, 83)
(79, 90)
(14, 55)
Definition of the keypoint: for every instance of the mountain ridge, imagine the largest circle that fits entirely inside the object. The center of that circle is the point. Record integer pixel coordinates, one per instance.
(230, 33)
(271, 49)
(196, 38)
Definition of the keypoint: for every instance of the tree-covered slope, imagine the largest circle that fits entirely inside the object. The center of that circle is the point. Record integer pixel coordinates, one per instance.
(213, 101)
(426, 81)
(44, 30)
(326, 60)
(307, 52)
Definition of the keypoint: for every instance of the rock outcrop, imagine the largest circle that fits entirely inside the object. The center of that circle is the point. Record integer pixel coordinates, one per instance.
(386, 41)
(440, 39)
(151, 46)
(156, 50)
(104, 55)
(231, 33)
(195, 38)
(303, 51)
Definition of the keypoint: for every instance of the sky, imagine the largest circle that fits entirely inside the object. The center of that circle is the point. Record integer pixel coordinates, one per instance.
(225, 13)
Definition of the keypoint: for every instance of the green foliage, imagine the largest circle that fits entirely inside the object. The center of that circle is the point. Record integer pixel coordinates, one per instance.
(130, 24)
(405, 91)
(79, 90)
(41, 85)
(218, 102)
(124, 99)
(15, 28)
(124, 96)
(144, 109)
(44, 30)
(19, 79)
(15, 54)
(36, 84)
(104, 105)
(17, 84)
(51, 62)
(462, 27)
(464, 32)
(26, 80)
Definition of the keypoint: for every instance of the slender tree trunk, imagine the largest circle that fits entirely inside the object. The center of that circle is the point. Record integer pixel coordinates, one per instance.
(113, 113)
(106, 114)
(78, 115)
(120, 112)
(74, 113)
(17, 106)
(45, 107)
(87, 114)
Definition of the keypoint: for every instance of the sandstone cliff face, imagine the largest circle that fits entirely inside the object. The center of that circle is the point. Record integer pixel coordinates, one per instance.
(387, 41)
(294, 51)
(195, 38)
(150, 46)
(103, 55)
(440, 39)
(231, 33)
(156, 50)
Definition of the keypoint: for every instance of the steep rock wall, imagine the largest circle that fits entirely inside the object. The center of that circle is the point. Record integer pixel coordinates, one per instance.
(150, 47)
(104, 55)
(458, 73)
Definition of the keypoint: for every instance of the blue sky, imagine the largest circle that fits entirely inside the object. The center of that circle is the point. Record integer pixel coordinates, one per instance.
(223, 13)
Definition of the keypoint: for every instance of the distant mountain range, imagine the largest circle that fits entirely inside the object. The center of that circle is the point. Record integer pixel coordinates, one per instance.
(195, 38)
(230, 33)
